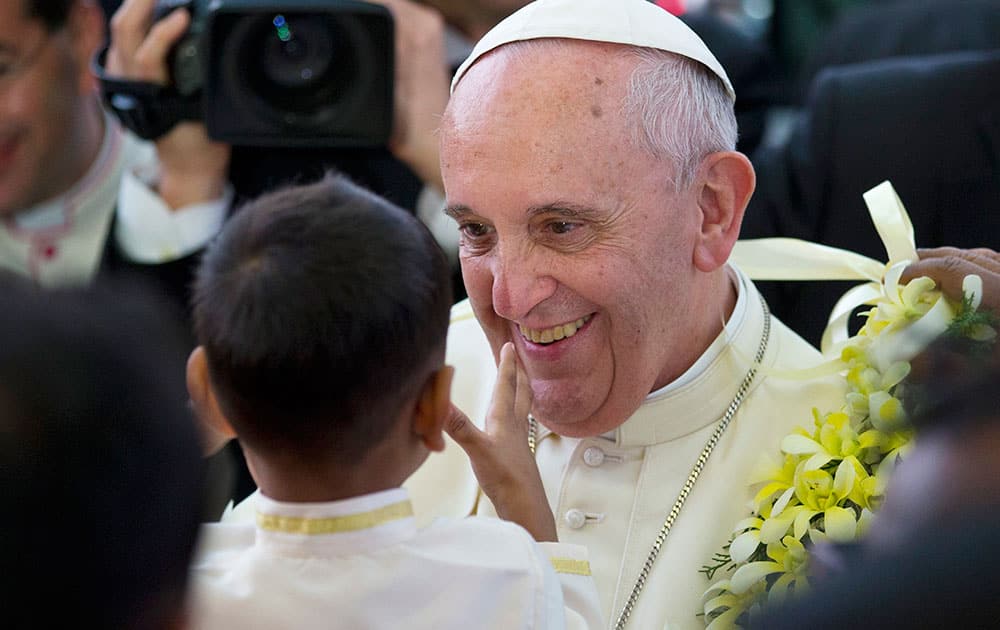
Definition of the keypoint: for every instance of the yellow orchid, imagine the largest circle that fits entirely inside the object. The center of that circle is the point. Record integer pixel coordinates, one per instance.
(821, 494)
(903, 304)
(791, 554)
(724, 608)
(885, 411)
(866, 489)
(833, 439)
(729, 601)
(777, 479)
(863, 378)
(832, 477)
(747, 539)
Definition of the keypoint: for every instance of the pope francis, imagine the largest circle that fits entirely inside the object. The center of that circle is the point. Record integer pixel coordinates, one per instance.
(588, 160)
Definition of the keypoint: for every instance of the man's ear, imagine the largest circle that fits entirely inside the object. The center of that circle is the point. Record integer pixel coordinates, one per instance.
(212, 423)
(726, 183)
(433, 409)
(85, 25)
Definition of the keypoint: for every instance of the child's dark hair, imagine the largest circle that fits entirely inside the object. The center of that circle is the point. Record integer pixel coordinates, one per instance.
(322, 310)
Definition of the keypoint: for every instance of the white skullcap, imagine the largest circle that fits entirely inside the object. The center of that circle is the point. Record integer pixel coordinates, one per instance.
(631, 22)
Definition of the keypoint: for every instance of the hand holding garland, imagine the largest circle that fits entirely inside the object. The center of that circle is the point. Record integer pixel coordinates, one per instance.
(948, 266)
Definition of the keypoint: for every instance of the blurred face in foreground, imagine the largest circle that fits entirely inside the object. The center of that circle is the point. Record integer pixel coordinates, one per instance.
(574, 244)
(946, 473)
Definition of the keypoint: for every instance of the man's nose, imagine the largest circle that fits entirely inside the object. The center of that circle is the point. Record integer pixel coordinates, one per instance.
(521, 281)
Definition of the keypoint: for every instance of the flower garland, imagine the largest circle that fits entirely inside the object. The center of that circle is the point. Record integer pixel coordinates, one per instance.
(832, 477)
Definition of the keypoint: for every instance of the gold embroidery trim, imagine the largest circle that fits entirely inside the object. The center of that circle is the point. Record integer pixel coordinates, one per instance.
(334, 524)
(570, 566)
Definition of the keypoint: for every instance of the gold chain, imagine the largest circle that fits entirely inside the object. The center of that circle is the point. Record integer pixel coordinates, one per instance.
(699, 464)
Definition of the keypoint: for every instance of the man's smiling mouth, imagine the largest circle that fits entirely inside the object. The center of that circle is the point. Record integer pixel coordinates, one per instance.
(555, 333)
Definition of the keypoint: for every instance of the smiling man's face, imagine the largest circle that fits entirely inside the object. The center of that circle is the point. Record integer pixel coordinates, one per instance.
(574, 244)
(45, 98)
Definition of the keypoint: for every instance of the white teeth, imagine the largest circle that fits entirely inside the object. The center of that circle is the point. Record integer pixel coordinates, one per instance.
(548, 335)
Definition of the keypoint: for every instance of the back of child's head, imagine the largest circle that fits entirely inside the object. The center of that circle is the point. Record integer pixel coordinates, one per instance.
(323, 310)
(102, 471)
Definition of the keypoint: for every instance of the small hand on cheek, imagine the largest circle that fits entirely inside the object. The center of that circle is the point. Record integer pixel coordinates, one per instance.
(501, 459)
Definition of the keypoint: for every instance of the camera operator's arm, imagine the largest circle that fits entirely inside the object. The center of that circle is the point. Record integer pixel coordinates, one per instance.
(421, 93)
(192, 168)
(421, 87)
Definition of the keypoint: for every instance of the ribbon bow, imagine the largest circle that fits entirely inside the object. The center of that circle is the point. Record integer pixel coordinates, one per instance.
(794, 259)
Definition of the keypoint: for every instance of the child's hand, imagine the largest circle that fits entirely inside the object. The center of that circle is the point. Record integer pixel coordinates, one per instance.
(503, 464)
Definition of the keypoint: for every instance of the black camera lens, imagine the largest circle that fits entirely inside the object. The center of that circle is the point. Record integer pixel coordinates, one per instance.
(297, 58)
(295, 63)
(282, 75)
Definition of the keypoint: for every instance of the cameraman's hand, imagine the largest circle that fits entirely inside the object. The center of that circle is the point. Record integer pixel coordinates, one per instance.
(192, 167)
(421, 84)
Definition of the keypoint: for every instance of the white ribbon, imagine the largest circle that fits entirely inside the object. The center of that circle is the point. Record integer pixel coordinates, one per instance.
(794, 259)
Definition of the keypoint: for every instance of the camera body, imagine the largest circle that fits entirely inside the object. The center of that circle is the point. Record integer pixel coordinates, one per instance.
(290, 73)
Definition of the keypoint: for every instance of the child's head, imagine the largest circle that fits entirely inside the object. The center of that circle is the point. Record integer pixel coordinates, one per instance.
(322, 312)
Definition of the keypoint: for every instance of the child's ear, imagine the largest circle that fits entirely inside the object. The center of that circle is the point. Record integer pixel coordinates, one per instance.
(433, 407)
(212, 423)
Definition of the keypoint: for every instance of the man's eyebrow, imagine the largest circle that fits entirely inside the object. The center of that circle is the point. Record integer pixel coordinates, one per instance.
(562, 208)
(566, 209)
(457, 210)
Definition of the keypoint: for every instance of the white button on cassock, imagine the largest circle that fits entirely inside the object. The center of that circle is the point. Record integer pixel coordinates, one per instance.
(575, 519)
(593, 457)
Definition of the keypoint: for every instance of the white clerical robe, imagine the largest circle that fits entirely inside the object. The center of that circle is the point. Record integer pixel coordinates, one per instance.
(60, 242)
(612, 493)
(363, 563)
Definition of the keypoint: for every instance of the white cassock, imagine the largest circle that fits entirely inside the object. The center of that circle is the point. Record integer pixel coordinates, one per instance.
(61, 241)
(363, 563)
(612, 493)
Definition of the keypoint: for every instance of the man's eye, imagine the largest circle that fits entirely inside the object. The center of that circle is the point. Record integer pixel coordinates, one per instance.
(474, 230)
(563, 227)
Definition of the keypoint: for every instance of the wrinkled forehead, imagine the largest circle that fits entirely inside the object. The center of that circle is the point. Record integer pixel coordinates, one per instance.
(542, 84)
(525, 130)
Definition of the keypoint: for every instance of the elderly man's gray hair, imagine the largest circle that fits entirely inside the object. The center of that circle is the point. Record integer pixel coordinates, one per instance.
(681, 109)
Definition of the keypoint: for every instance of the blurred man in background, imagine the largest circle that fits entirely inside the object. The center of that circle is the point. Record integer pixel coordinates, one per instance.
(63, 161)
